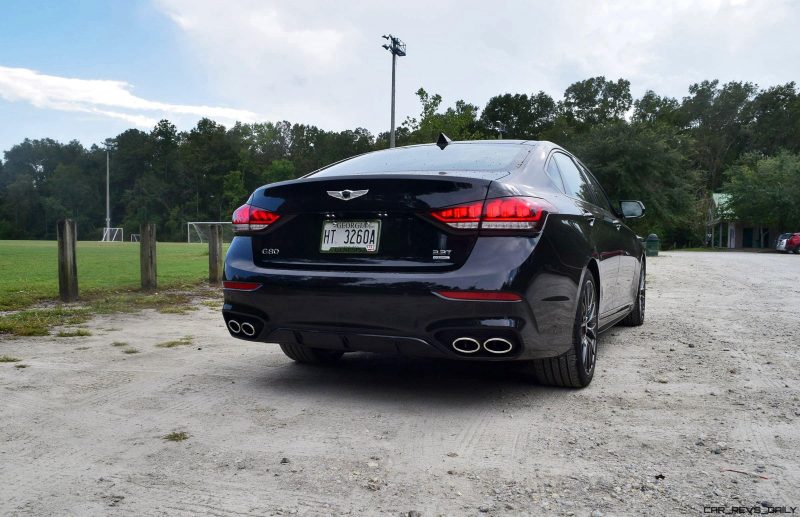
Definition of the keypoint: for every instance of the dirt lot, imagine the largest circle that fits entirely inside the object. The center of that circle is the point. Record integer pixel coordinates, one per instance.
(709, 383)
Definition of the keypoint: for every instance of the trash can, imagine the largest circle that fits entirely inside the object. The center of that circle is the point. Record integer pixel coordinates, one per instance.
(651, 245)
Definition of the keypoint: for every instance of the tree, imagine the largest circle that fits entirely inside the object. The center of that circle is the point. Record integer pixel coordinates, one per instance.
(648, 162)
(654, 109)
(234, 192)
(670, 154)
(763, 190)
(521, 116)
(596, 100)
(776, 120)
(71, 189)
(279, 170)
(207, 154)
(459, 122)
(717, 118)
(21, 206)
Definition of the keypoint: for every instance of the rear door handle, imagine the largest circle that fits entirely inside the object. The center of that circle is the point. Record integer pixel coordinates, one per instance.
(589, 217)
(618, 224)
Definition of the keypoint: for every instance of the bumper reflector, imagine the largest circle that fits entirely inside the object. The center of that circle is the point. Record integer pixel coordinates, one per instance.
(479, 296)
(241, 286)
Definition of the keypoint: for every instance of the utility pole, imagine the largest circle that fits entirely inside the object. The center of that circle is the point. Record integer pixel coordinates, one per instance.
(108, 189)
(397, 48)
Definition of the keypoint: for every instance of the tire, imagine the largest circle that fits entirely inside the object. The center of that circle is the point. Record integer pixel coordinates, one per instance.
(636, 316)
(305, 354)
(575, 369)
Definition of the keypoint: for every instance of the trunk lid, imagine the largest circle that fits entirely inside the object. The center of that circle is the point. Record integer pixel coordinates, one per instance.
(397, 205)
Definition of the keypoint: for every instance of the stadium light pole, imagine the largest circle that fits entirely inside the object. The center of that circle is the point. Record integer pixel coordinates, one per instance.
(108, 190)
(397, 48)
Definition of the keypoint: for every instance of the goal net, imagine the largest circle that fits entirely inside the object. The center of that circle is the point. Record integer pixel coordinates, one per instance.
(112, 235)
(198, 231)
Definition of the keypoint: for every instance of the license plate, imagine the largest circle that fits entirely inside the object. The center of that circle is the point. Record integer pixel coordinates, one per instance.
(350, 236)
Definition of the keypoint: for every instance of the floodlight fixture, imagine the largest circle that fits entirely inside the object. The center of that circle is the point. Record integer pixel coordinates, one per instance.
(397, 48)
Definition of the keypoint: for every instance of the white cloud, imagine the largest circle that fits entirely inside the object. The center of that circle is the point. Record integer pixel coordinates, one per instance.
(321, 62)
(104, 98)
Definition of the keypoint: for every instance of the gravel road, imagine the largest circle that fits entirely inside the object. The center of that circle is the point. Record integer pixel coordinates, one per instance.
(707, 387)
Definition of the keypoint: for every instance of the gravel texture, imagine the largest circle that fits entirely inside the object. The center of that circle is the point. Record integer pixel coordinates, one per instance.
(698, 407)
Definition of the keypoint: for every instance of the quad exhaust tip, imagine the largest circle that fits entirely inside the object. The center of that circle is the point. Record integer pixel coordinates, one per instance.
(497, 345)
(234, 326)
(248, 329)
(466, 345)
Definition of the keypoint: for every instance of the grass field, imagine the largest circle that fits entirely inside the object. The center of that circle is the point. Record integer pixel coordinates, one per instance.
(29, 269)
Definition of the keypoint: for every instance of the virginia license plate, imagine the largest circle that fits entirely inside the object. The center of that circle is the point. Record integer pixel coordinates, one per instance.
(350, 236)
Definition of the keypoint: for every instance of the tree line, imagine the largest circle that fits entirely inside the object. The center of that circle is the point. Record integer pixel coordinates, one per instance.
(672, 154)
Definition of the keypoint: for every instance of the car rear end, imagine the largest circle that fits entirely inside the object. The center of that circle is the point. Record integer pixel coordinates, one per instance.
(425, 263)
(781, 243)
(793, 243)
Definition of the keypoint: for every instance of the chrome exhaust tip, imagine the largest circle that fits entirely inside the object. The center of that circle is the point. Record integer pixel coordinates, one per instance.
(466, 345)
(498, 345)
(248, 329)
(234, 326)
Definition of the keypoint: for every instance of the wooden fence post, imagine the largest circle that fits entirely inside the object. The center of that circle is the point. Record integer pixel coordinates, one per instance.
(67, 265)
(147, 256)
(215, 254)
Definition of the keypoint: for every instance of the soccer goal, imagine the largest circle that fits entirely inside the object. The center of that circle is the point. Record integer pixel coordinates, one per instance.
(197, 231)
(113, 235)
(135, 237)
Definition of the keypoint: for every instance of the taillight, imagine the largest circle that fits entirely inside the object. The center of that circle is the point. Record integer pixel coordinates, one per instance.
(512, 213)
(248, 218)
(499, 214)
(463, 217)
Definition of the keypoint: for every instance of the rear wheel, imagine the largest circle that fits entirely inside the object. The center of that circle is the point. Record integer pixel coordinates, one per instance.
(636, 317)
(575, 368)
(304, 354)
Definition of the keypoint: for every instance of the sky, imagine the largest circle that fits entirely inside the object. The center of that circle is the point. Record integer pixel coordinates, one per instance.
(90, 69)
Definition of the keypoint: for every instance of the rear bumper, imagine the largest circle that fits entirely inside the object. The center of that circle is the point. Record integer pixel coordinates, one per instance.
(397, 313)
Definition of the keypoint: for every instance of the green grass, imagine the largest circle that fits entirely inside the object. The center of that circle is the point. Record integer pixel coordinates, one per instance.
(186, 340)
(109, 303)
(9, 359)
(119, 343)
(29, 269)
(37, 322)
(74, 333)
(130, 351)
(177, 436)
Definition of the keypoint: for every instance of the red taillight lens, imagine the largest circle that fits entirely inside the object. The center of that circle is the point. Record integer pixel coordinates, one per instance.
(249, 218)
(240, 286)
(512, 213)
(507, 213)
(479, 296)
(463, 216)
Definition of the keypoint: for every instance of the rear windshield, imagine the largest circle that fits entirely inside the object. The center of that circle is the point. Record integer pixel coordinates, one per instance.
(454, 157)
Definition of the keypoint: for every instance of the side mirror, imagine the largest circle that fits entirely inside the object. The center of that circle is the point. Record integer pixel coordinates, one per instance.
(632, 209)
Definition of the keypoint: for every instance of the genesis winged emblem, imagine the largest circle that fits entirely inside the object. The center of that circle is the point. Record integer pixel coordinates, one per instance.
(346, 195)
